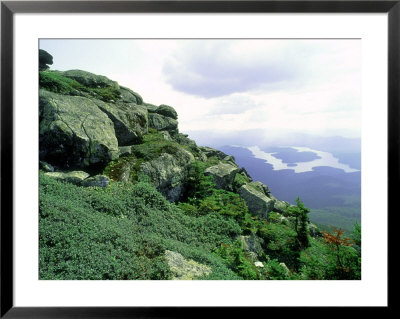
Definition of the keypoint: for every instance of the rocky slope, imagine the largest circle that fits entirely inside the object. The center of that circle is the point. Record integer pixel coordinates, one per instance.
(122, 137)
(120, 168)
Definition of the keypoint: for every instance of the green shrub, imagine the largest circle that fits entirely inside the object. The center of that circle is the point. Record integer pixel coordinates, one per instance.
(198, 186)
(76, 241)
(280, 242)
(153, 145)
(124, 165)
(276, 218)
(300, 215)
(236, 259)
(121, 232)
(189, 209)
(320, 262)
(273, 270)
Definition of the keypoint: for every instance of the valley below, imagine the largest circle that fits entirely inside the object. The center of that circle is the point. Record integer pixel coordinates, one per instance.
(329, 186)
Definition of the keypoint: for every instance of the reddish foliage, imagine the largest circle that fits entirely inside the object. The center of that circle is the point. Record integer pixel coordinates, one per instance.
(336, 238)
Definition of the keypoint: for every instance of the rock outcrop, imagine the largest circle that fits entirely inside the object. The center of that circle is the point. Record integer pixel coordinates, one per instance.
(45, 59)
(128, 96)
(162, 118)
(210, 152)
(92, 121)
(130, 121)
(95, 181)
(74, 177)
(224, 174)
(89, 79)
(167, 111)
(257, 202)
(162, 122)
(251, 243)
(185, 269)
(168, 172)
(74, 132)
(46, 166)
(80, 178)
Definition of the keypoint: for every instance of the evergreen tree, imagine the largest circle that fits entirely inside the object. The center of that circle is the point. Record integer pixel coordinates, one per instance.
(300, 213)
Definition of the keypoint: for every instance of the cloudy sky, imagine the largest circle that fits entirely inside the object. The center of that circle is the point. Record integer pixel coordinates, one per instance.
(223, 86)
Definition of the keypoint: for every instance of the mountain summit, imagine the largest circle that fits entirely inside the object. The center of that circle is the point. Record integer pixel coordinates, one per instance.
(125, 195)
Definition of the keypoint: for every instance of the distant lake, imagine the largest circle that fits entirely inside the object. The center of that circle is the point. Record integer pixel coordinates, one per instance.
(307, 159)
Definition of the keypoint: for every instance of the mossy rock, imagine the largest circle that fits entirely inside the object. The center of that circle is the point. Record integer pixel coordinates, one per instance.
(244, 173)
(185, 269)
(167, 111)
(224, 174)
(230, 159)
(190, 145)
(130, 121)
(212, 152)
(279, 205)
(168, 172)
(257, 202)
(125, 150)
(46, 166)
(95, 181)
(151, 108)
(55, 81)
(74, 177)
(162, 123)
(239, 181)
(74, 132)
(251, 243)
(89, 79)
(129, 96)
(261, 187)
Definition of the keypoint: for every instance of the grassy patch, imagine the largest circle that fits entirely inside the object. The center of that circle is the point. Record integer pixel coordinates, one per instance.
(154, 144)
(55, 82)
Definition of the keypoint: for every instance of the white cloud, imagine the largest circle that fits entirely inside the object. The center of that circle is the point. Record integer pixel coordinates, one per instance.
(231, 85)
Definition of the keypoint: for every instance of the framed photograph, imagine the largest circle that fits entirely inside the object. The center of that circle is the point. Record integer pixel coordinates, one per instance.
(165, 157)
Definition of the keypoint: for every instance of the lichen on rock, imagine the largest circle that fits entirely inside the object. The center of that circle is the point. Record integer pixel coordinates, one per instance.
(168, 172)
(185, 269)
(129, 96)
(257, 202)
(162, 122)
(74, 177)
(224, 174)
(74, 132)
(130, 121)
(167, 111)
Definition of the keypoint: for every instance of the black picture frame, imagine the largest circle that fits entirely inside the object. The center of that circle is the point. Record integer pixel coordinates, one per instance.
(9, 8)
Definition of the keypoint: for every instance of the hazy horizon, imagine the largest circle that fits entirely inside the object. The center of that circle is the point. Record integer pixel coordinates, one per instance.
(276, 87)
